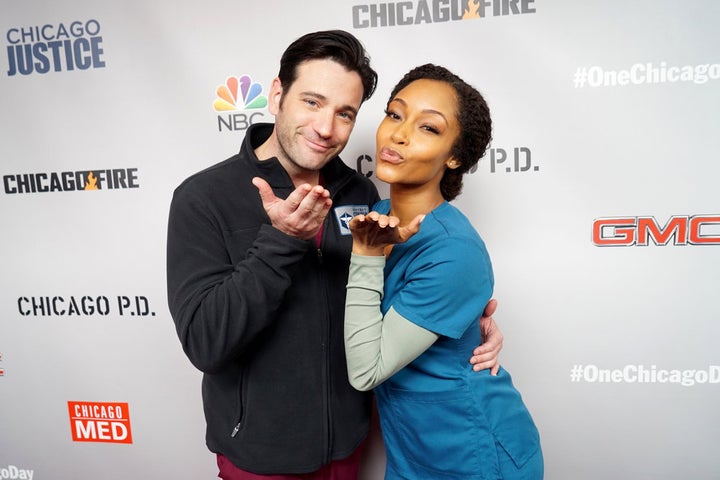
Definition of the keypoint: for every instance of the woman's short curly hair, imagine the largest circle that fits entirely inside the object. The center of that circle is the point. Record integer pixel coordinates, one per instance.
(473, 115)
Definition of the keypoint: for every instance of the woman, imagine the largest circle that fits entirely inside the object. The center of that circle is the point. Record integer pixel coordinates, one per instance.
(415, 291)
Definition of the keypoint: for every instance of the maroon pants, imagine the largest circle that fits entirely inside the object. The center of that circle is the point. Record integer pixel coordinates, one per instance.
(345, 469)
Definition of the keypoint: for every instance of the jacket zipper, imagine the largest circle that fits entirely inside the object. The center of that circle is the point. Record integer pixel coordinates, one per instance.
(326, 347)
(236, 429)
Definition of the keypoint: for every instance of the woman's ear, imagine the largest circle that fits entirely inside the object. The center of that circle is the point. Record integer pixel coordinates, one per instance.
(452, 164)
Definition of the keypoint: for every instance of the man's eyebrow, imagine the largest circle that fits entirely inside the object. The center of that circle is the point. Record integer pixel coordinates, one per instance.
(323, 98)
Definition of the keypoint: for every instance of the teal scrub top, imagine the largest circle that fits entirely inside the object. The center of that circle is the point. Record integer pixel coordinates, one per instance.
(439, 418)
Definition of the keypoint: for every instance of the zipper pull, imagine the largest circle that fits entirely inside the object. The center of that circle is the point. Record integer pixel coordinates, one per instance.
(235, 430)
(319, 254)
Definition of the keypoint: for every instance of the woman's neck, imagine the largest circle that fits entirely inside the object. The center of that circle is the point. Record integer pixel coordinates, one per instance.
(407, 203)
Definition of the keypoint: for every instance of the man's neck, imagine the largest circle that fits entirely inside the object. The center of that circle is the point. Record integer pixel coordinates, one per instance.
(305, 176)
(271, 149)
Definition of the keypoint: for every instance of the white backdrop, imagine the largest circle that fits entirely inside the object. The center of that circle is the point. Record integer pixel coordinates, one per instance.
(605, 113)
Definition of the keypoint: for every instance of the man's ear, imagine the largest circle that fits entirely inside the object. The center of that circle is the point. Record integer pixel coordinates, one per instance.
(275, 96)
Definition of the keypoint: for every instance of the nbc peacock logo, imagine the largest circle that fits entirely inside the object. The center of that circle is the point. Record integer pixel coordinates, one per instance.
(239, 101)
(250, 95)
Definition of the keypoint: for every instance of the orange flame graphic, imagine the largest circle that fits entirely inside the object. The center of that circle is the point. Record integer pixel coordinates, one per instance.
(472, 12)
(91, 182)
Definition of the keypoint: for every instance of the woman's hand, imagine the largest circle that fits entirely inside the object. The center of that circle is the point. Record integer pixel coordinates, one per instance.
(373, 232)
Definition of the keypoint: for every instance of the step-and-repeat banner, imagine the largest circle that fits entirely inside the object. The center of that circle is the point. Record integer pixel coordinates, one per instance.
(598, 201)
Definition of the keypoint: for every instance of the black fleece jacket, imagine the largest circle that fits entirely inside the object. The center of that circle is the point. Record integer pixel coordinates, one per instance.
(260, 313)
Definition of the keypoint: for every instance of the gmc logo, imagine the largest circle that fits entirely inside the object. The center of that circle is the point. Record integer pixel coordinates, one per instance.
(682, 230)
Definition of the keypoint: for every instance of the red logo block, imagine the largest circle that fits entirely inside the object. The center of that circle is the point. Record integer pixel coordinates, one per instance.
(681, 230)
(107, 422)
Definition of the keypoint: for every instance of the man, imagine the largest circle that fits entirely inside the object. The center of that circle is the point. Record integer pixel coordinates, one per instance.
(258, 254)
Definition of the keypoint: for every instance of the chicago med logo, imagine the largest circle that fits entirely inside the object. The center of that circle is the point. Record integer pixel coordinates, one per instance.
(639, 231)
(390, 14)
(107, 422)
(82, 180)
(242, 98)
(56, 48)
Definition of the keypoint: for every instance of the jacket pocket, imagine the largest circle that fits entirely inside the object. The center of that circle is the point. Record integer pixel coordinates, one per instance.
(241, 401)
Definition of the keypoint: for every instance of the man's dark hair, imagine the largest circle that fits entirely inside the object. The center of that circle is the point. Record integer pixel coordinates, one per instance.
(473, 115)
(337, 45)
